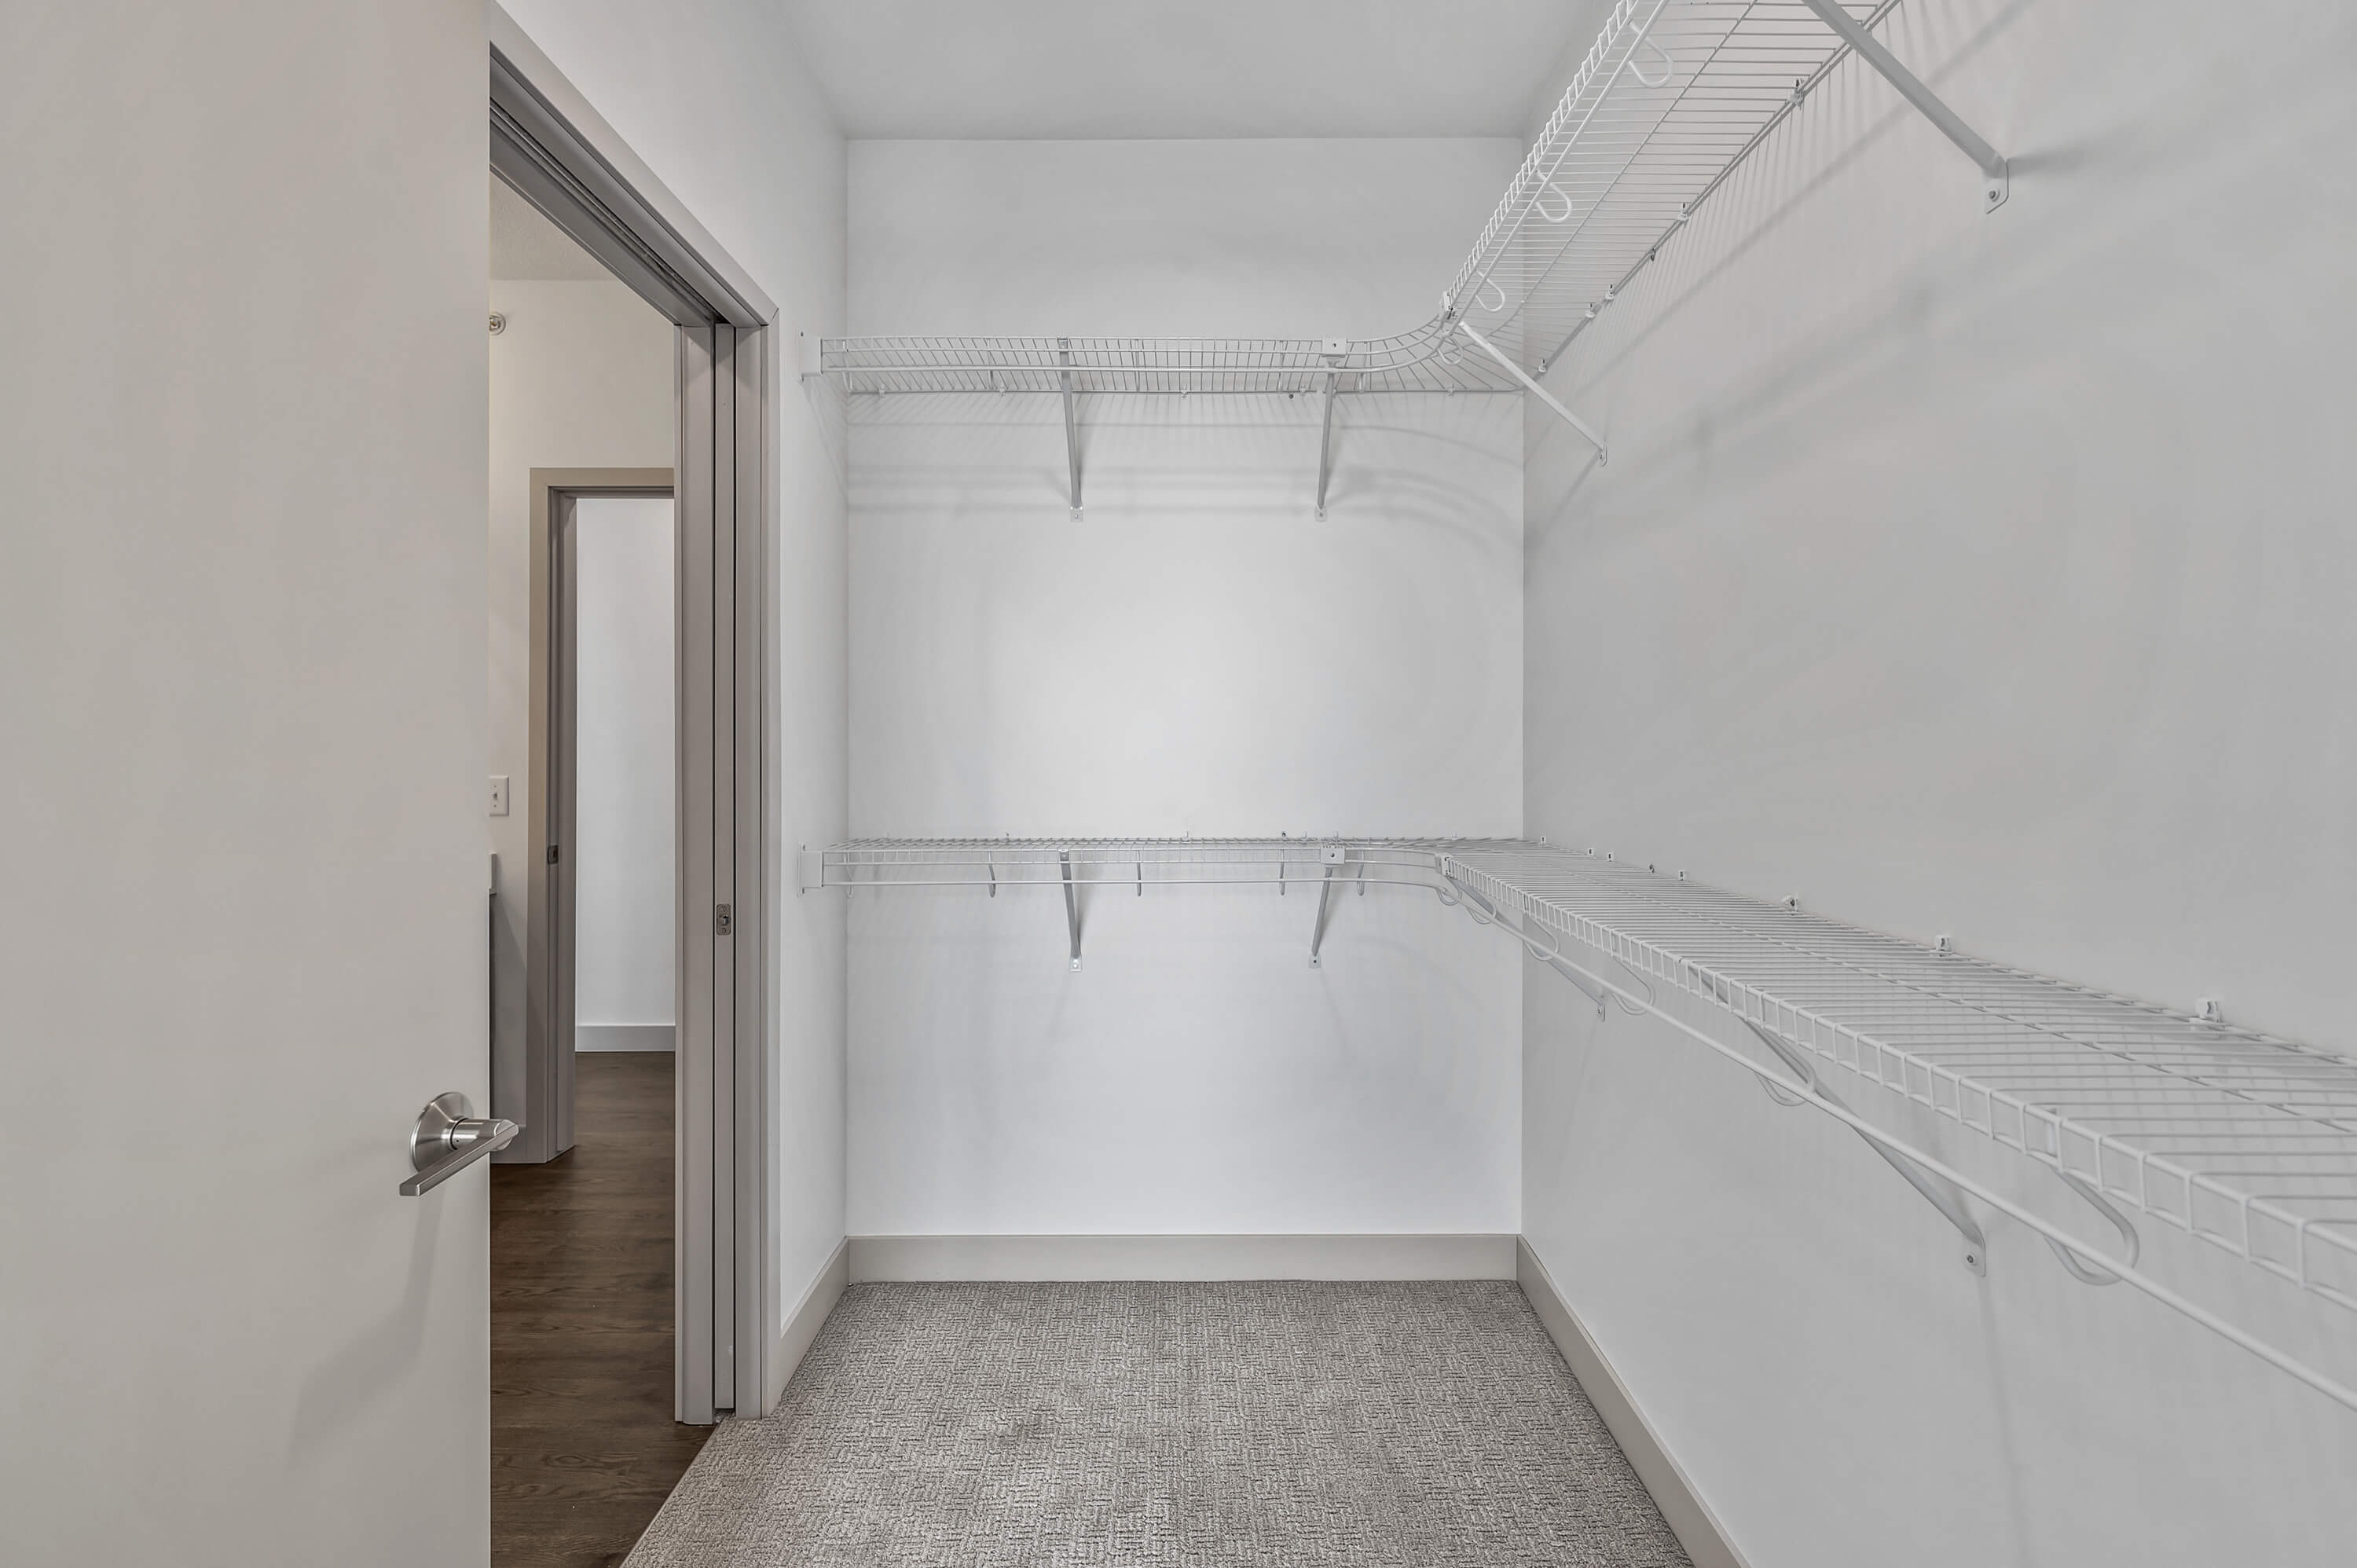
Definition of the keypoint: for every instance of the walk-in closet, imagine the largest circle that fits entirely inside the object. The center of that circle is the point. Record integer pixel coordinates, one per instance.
(1272, 784)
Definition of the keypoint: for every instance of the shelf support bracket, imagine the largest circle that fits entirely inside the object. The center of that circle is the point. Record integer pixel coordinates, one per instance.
(1324, 903)
(1072, 903)
(1072, 454)
(1938, 1191)
(1545, 396)
(1325, 445)
(1911, 87)
(1484, 913)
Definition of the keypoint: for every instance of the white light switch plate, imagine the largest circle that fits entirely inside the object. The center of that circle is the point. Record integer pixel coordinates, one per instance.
(499, 794)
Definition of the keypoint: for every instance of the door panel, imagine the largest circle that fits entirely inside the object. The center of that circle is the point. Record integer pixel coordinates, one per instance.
(241, 655)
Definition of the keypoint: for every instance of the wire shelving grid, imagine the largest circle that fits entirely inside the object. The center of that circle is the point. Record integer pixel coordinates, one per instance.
(1672, 94)
(2243, 1140)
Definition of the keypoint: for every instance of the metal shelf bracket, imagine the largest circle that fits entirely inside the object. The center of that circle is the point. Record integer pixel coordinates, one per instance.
(1545, 396)
(1072, 454)
(1335, 349)
(1993, 181)
(1485, 913)
(1332, 858)
(1938, 1191)
(1072, 900)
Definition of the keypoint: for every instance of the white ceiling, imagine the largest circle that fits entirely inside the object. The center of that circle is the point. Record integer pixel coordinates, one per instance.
(1084, 70)
(524, 246)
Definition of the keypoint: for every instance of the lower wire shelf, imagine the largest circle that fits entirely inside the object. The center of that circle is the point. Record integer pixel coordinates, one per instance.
(2243, 1140)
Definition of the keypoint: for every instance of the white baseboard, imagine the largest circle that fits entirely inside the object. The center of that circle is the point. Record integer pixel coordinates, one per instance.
(803, 1323)
(625, 1037)
(1334, 1257)
(1690, 1519)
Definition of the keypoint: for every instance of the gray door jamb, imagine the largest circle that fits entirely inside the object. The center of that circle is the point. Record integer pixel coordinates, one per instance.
(555, 151)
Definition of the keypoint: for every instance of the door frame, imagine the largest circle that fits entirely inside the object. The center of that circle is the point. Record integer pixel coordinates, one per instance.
(549, 1024)
(555, 150)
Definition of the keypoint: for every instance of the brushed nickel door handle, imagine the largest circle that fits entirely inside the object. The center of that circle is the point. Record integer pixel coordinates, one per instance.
(448, 1138)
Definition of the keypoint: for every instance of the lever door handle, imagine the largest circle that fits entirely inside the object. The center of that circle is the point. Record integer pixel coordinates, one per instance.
(448, 1138)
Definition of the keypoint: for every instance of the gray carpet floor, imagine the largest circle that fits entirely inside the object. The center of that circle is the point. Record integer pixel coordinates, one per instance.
(1282, 1425)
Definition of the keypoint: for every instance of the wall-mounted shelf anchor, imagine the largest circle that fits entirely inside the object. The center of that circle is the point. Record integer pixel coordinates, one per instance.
(1336, 348)
(1547, 397)
(1938, 1191)
(1995, 182)
(1331, 858)
(1071, 442)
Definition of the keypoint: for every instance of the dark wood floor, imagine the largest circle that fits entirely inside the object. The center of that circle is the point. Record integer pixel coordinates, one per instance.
(584, 1449)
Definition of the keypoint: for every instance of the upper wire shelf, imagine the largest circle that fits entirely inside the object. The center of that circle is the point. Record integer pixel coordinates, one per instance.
(1672, 94)
(2241, 1140)
(1207, 366)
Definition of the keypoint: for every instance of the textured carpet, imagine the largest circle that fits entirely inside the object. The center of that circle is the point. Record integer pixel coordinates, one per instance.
(1280, 1426)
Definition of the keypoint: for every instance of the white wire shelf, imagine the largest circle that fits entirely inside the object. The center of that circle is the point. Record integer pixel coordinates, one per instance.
(1013, 861)
(2240, 1139)
(2243, 1140)
(1147, 366)
(1672, 96)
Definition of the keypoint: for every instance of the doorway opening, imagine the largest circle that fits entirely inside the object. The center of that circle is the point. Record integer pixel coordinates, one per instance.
(550, 150)
(629, 1241)
(585, 1439)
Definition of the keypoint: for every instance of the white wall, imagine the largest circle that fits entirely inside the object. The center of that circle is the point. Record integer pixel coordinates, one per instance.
(581, 377)
(1200, 655)
(241, 613)
(712, 95)
(625, 837)
(1975, 574)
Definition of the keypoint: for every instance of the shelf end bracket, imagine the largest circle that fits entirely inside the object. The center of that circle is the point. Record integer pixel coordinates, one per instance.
(1325, 906)
(1937, 1190)
(1072, 903)
(1326, 443)
(1993, 180)
(1071, 449)
(1545, 396)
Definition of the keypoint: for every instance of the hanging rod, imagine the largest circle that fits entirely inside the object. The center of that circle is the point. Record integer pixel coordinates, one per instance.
(2244, 1140)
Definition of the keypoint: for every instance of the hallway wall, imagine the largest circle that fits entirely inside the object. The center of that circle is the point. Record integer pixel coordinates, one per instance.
(1199, 654)
(625, 859)
(1984, 575)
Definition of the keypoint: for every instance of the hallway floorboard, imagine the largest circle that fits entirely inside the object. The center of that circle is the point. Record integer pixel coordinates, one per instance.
(584, 1449)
